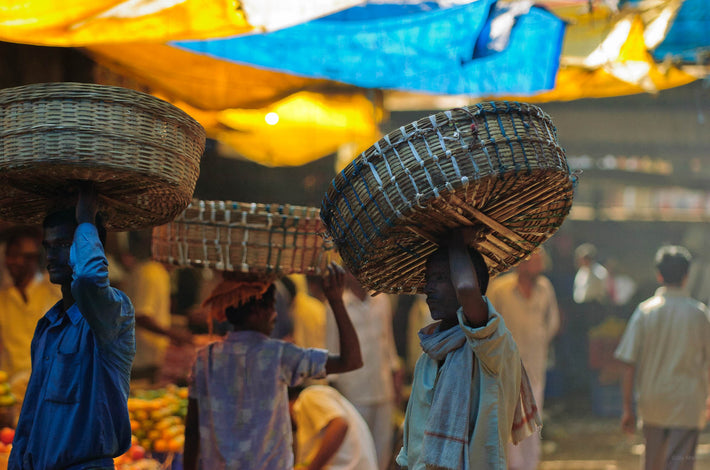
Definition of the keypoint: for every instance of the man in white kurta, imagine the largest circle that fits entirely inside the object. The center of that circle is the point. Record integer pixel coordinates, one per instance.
(371, 389)
(527, 302)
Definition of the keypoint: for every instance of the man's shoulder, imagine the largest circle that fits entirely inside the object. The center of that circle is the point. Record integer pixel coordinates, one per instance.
(650, 304)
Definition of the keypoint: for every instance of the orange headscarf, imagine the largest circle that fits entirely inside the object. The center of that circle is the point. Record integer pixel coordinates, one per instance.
(235, 289)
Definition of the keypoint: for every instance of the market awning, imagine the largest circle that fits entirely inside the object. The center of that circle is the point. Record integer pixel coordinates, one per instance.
(85, 22)
(478, 48)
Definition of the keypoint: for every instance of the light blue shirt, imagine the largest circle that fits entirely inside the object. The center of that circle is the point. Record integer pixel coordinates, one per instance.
(240, 385)
(495, 388)
(75, 415)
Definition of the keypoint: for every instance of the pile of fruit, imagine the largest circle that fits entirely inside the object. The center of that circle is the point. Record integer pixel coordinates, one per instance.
(7, 399)
(157, 424)
(6, 437)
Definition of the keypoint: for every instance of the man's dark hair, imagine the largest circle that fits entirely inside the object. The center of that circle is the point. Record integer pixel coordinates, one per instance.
(673, 262)
(68, 216)
(237, 315)
(479, 264)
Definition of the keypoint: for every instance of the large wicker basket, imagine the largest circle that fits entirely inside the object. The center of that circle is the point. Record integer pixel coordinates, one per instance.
(142, 153)
(259, 239)
(496, 166)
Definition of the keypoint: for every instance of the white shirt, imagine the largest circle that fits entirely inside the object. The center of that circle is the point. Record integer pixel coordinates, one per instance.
(590, 284)
(533, 321)
(317, 406)
(372, 320)
(667, 339)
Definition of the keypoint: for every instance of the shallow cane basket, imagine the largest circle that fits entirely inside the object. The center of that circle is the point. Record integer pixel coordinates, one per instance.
(259, 239)
(141, 152)
(496, 166)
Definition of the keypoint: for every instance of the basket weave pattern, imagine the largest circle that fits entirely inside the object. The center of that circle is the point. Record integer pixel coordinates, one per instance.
(496, 166)
(259, 239)
(142, 153)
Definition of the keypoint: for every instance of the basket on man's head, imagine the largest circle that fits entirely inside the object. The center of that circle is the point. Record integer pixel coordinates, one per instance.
(496, 167)
(141, 153)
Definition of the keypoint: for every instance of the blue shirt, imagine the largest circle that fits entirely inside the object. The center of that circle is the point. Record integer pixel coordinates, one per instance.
(75, 415)
(240, 385)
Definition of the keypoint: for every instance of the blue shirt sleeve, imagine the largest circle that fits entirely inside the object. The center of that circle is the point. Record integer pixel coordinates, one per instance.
(298, 364)
(107, 310)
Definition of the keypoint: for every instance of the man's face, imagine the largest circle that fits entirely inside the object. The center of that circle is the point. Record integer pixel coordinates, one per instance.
(57, 242)
(440, 292)
(22, 260)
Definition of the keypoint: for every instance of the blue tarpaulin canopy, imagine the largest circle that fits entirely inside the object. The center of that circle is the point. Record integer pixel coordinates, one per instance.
(688, 39)
(479, 48)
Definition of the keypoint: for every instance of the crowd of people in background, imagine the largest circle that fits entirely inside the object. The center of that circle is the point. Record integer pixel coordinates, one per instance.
(339, 415)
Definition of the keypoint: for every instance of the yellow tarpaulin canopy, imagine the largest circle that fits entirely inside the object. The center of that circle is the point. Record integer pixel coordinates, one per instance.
(84, 22)
(296, 130)
(605, 54)
(200, 80)
(616, 69)
(301, 128)
(307, 118)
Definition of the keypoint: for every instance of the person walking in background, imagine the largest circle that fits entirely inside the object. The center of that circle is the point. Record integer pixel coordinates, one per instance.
(75, 413)
(372, 388)
(470, 395)
(330, 433)
(589, 309)
(526, 301)
(590, 279)
(666, 350)
(238, 415)
(310, 314)
(148, 287)
(22, 304)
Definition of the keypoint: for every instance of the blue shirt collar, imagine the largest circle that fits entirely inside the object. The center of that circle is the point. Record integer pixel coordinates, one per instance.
(55, 312)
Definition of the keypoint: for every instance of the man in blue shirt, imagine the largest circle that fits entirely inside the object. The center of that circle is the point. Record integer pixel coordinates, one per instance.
(75, 416)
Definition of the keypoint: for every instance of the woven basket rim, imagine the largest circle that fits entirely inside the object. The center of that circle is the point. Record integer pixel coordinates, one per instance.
(109, 94)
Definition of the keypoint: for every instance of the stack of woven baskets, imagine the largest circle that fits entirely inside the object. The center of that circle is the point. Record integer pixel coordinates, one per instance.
(141, 153)
(495, 166)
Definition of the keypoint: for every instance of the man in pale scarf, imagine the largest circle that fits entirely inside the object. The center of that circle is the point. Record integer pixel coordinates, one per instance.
(470, 394)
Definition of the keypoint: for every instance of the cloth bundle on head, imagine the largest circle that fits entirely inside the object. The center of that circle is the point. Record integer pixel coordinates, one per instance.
(233, 291)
